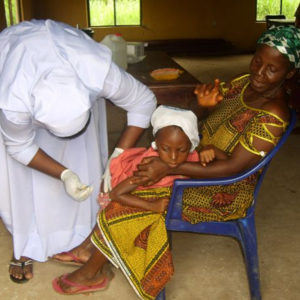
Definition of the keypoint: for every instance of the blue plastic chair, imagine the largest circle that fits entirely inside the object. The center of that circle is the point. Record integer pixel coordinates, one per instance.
(242, 229)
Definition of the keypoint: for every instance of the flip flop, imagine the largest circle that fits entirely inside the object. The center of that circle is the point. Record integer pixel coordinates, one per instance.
(76, 261)
(81, 289)
(22, 265)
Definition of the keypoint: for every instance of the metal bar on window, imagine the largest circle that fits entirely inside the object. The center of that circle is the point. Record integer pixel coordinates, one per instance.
(10, 10)
(115, 13)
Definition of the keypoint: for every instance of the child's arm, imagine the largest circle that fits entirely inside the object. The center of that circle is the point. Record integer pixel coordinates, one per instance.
(210, 153)
(121, 193)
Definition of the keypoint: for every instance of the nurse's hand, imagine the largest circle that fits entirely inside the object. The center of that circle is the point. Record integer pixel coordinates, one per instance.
(106, 183)
(74, 187)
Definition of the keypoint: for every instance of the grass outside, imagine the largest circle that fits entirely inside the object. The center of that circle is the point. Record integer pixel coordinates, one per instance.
(108, 13)
(272, 7)
(10, 7)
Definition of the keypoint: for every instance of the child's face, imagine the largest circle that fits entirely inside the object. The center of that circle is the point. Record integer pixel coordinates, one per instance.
(173, 145)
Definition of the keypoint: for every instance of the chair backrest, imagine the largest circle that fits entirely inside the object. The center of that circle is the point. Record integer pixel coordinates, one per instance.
(174, 210)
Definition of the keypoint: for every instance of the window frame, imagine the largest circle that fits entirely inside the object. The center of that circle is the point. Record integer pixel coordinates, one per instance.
(115, 25)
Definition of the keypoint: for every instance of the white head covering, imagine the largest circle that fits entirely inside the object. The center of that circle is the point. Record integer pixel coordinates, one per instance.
(165, 116)
(71, 127)
(53, 71)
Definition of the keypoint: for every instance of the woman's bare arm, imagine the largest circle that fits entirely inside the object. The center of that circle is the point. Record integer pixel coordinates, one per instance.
(209, 153)
(46, 164)
(153, 169)
(129, 137)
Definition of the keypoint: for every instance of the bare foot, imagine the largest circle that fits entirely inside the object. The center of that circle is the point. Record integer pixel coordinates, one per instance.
(77, 256)
(21, 270)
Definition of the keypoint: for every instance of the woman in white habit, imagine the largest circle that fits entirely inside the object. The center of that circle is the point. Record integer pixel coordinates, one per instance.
(54, 80)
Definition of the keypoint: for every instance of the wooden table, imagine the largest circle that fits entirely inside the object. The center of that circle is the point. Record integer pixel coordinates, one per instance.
(178, 92)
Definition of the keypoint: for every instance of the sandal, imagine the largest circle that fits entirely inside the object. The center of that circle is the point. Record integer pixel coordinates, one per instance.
(22, 265)
(74, 260)
(79, 288)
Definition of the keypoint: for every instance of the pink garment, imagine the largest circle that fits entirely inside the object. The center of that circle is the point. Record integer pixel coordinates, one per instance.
(125, 164)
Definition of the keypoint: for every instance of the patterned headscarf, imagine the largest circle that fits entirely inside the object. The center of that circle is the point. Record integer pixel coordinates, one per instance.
(286, 39)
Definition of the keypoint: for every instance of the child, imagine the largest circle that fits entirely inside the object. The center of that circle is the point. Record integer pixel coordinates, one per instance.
(131, 231)
(165, 130)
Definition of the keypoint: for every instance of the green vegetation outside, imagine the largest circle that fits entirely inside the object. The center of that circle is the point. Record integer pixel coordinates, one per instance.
(10, 12)
(272, 7)
(102, 12)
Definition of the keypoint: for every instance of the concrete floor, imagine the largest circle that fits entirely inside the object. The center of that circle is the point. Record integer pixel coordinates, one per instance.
(206, 267)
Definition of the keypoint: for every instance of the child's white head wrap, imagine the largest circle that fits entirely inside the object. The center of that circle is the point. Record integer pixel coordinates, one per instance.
(165, 116)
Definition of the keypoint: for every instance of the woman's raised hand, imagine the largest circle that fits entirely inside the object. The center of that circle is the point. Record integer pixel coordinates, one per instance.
(208, 95)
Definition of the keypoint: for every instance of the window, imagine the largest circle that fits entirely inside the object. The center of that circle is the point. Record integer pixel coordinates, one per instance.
(114, 12)
(11, 12)
(276, 7)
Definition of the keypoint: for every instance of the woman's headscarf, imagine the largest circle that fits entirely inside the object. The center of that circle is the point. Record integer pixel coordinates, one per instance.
(286, 39)
(165, 116)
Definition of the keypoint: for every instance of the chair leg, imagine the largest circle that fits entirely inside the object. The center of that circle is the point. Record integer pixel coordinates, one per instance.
(249, 245)
(161, 295)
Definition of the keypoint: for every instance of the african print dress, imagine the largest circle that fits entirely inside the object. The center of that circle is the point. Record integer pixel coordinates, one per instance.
(232, 122)
(133, 239)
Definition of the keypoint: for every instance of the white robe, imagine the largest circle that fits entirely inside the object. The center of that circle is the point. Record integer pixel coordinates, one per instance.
(50, 74)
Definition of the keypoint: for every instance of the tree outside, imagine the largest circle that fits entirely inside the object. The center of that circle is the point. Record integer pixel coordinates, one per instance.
(114, 12)
(11, 12)
(272, 7)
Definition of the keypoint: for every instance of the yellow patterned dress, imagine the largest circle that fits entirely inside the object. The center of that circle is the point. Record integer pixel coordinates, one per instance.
(232, 122)
(134, 239)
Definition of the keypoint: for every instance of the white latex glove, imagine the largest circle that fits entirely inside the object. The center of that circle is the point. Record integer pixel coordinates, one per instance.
(74, 187)
(106, 177)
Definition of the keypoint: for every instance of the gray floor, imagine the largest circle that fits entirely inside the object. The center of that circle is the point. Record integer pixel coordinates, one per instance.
(206, 267)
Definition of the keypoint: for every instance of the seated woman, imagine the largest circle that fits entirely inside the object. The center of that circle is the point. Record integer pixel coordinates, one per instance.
(245, 125)
(131, 231)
